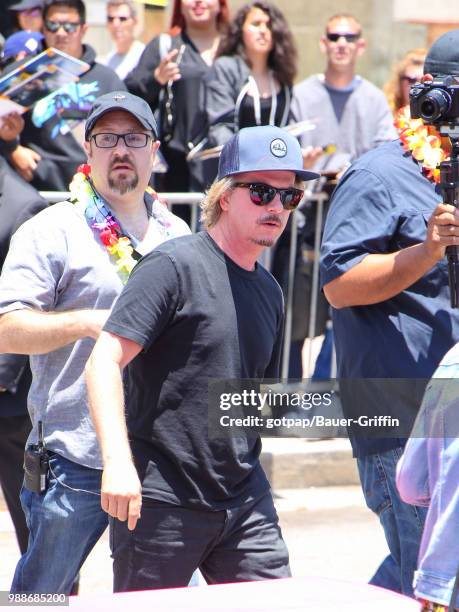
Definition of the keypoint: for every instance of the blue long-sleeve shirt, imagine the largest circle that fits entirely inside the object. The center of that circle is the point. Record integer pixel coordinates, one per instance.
(427, 475)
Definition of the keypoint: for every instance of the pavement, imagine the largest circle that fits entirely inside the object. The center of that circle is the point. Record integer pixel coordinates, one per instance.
(298, 463)
(325, 523)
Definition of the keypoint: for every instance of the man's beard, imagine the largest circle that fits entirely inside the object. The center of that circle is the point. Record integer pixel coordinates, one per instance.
(264, 242)
(123, 184)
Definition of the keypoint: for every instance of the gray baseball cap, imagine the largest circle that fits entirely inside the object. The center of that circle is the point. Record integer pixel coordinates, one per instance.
(24, 5)
(121, 100)
(263, 148)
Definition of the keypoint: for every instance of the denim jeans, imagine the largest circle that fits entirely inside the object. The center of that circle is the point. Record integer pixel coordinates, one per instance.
(402, 523)
(322, 369)
(64, 526)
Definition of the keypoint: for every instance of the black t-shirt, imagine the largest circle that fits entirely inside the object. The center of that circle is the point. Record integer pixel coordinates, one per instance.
(247, 110)
(189, 118)
(198, 316)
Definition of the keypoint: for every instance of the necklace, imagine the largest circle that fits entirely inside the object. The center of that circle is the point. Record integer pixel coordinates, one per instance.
(119, 246)
(423, 141)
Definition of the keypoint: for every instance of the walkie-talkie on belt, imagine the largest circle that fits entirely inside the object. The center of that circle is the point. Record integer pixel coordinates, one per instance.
(36, 464)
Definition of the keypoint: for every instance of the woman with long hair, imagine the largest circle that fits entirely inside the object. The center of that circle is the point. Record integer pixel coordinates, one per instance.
(251, 81)
(170, 77)
(251, 84)
(405, 73)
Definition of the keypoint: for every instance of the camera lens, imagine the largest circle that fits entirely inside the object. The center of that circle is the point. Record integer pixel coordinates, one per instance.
(435, 104)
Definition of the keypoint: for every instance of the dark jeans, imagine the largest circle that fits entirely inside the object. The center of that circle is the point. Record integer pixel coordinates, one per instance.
(402, 523)
(170, 542)
(13, 436)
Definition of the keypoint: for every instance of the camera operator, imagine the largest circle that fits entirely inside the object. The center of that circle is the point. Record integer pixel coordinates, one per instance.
(383, 270)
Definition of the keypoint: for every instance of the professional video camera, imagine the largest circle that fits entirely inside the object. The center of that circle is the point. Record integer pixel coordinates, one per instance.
(436, 101)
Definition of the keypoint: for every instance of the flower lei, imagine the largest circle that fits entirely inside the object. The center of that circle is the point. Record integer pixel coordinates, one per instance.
(423, 141)
(431, 606)
(83, 193)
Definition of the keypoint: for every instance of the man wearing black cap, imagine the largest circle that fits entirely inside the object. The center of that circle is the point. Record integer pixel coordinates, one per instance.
(196, 309)
(23, 15)
(64, 269)
(28, 14)
(384, 272)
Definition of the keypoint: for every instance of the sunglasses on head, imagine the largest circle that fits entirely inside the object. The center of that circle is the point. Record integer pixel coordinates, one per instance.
(410, 79)
(348, 36)
(69, 26)
(111, 19)
(262, 194)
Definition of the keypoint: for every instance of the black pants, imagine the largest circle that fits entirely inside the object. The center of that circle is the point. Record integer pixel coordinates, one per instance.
(170, 542)
(13, 436)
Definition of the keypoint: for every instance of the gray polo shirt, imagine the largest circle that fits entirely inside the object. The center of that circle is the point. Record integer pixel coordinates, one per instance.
(57, 263)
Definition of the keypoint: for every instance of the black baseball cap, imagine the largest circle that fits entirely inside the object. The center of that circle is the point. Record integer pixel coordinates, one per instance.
(121, 100)
(443, 56)
(262, 148)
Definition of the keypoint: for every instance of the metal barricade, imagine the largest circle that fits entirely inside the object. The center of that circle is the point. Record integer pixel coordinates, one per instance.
(194, 199)
(318, 199)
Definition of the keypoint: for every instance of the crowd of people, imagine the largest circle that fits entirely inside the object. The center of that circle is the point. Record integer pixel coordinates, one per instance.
(111, 358)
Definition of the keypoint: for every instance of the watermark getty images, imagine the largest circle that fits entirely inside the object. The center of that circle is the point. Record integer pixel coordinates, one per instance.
(269, 408)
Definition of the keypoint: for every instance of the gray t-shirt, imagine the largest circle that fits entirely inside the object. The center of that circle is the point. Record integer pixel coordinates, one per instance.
(365, 123)
(57, 263)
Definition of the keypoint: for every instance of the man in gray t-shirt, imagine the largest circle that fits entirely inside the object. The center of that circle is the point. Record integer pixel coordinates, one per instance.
(64, 270)
(349, 111)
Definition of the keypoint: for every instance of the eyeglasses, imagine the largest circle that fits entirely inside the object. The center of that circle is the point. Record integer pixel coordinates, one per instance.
(69, 26)
(348, 36)
(110, 19)
(262, 194)
(133, 140)
(410, 79)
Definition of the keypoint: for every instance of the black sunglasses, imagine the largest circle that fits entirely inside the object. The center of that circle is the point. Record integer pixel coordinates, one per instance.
(110, 19)
(262, 194)
(69, 26)
(349, 37)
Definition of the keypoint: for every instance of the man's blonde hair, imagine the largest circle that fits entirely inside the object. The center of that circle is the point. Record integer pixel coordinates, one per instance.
(129, 3)
(210, 206)
(341, 16)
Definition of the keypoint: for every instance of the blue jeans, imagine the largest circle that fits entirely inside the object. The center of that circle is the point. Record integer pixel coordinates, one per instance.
(322, 369)
(64, 526)
(402, 523)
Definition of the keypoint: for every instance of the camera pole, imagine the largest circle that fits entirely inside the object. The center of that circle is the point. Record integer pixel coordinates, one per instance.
(449, 184)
